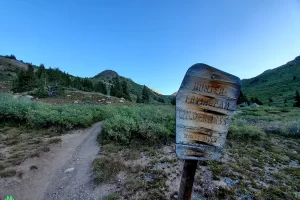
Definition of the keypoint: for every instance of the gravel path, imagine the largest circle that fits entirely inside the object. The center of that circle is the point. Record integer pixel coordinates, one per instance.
(74, 179)
(48, 179)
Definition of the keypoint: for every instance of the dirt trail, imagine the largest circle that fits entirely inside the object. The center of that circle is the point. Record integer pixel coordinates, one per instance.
(50, 180)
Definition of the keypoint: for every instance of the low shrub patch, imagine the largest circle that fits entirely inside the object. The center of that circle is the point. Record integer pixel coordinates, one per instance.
(241, 130)
(106, 169)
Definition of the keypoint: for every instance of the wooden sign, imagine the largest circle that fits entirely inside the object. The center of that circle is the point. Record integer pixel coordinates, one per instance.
(205, 103)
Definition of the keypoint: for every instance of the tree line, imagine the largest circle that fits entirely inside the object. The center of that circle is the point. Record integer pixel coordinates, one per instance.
(50, 82)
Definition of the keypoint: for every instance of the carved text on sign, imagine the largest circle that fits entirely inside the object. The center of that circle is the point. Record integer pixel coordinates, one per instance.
(201, 138)
(202, 117)
(205, 104)
(202, 87)
(208, 101)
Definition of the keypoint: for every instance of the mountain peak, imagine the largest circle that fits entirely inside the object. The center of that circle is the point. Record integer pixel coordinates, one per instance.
(108, 74)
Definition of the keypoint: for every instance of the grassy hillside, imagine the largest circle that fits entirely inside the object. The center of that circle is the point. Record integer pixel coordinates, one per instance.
(10, 66)
(134, 88)
(279, 84)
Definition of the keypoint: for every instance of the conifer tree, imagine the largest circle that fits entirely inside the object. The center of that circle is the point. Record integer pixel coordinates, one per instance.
(26, 80)
(145, 95)
(242, 98)
(297, 99)
(100, 87)
(173, 101)
(116, 89)
(125, 90)
(139, 100)
(161, 100)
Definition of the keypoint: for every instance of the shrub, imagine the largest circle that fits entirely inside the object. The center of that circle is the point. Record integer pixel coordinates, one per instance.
(106, 168)
(287, 128)
(151, 124)
(123, 124)
(111, 197)
(241, 130)
(293, 128)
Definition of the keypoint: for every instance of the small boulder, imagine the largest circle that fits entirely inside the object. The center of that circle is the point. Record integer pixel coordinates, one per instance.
(28, 97)
(255, 105)
(33, 167)
(69, 170)
(121, 101)
(230, 183)
(108, 102)
(244, 104)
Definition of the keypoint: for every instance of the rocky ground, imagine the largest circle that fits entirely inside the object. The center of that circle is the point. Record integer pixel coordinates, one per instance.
(77, 167)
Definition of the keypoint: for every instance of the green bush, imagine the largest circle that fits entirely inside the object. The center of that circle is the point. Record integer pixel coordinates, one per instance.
(151, 124)
(122, 124)
(111, 197)
(241, 130)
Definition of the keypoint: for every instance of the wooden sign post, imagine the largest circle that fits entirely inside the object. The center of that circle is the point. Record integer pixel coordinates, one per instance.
(205, 103)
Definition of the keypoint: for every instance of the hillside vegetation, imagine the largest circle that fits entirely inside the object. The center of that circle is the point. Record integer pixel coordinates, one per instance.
(261, 158)
(276, 86)
(135, 89)
(43, 82)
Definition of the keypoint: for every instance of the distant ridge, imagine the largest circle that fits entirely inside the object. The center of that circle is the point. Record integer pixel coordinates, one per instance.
(134, 88)
(275, 86)
(9, 66)
(106, 74)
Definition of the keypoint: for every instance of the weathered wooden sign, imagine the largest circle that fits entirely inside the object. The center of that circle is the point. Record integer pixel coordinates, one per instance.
(205, 103)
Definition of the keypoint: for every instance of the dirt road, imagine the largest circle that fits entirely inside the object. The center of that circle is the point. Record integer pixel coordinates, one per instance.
(64, 173)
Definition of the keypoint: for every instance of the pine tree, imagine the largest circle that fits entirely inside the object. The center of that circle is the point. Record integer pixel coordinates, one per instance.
(76, 83)
(40, 71)
(256, 100)
(116, 89)
(145, 95)
(26, 80)
(161, 100)
(242, 98)
(32, 77)
(139, 100)
(100, 87)
(297, 99)
(87, 84)
(173, 101)
(125, 90)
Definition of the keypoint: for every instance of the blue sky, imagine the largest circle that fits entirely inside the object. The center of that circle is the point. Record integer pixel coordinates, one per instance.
(152, 42)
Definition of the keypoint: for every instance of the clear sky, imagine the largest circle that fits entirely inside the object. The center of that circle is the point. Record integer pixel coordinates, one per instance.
(152, 42)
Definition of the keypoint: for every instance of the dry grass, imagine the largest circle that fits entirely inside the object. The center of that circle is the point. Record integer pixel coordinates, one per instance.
(259, 169)
(20, 143)
(106, 168)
